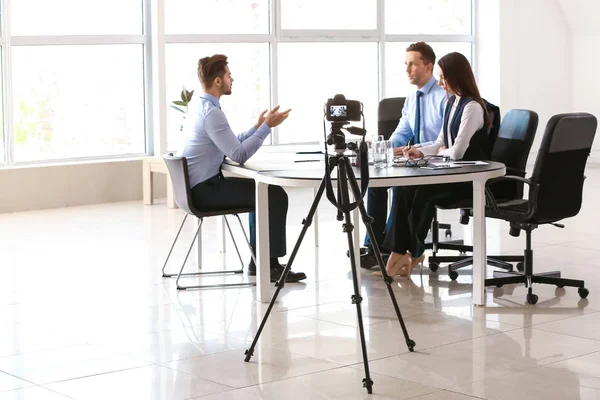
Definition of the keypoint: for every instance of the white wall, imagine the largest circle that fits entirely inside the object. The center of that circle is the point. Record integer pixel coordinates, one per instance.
(549, 50)
(535, 59)
(41, 187)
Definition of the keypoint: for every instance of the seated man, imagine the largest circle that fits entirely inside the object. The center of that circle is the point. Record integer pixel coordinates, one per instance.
(420, 125)
(210, 139)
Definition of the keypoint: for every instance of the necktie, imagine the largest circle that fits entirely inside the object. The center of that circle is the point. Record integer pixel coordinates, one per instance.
(417, 132)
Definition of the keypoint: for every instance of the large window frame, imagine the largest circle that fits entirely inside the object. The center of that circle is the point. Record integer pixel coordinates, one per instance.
(154, 40)
(8, 43)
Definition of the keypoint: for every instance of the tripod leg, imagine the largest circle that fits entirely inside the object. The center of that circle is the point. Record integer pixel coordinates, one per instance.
(281, 282)
(356, 298)
(367, 220)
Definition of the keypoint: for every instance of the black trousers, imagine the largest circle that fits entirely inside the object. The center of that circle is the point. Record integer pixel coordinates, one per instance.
(222, 194)
(413, 212)
(377, 198)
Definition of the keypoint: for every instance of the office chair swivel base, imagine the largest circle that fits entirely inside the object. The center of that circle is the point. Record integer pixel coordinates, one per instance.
(550, 278)
(208, 273)
(457, 262)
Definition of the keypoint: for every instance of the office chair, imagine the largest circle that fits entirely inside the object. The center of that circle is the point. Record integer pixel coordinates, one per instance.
(178, 170)
(555, 193)
(389, 113)
(435, 245)
(511, 146)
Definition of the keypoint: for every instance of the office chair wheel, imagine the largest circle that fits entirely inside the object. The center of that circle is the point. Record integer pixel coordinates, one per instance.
(453, 275)
(448, 233)
(560, 292)
(560, 286)
(532, 298)
(433, 266)
(583, 292)
(499, 285)
(520, 267)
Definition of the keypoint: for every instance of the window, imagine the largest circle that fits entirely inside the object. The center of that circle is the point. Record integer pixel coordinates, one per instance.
(80, 71)
(216, 16)
(76, 17)
(397, 84)
(330, 14)
(77, 101)
(431, 17)
(251, 92)
(310, 73)
(77, 87)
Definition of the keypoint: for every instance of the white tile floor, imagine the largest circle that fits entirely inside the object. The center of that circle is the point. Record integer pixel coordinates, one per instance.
(85, 314)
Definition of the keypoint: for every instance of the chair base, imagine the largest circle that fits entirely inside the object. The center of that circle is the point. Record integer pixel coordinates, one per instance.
(549, 278)
(217, 285)
(458, 262)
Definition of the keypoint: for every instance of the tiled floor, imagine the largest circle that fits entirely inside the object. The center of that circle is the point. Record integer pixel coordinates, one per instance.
(85, 314)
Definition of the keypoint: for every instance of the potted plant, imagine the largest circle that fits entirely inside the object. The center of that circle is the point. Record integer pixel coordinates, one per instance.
(182, 105)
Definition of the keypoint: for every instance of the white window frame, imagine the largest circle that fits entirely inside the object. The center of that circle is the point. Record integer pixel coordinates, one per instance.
(154, 39)
(7, 42)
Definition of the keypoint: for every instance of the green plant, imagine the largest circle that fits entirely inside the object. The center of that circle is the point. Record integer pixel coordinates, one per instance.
(182, 105)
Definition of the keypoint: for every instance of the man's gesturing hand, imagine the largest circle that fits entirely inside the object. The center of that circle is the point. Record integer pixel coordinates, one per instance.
(275, 118)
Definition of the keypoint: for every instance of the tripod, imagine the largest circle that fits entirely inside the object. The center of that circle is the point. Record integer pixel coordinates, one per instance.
(345, 177)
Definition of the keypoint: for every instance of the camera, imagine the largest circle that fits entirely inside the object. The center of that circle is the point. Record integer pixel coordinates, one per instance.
(339, 109)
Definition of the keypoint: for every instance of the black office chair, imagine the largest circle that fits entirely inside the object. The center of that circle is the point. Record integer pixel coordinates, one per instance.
(511, 147)
(178, 170)
(389, 113)
(458, 245)
(555, 193)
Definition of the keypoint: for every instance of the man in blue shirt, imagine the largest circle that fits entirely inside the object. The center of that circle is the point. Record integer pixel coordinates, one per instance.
(210, 140)
(420, 125)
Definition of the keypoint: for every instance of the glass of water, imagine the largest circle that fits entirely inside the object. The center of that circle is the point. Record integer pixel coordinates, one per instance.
(380, 154)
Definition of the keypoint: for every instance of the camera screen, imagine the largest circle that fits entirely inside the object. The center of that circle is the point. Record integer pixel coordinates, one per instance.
(338, 111)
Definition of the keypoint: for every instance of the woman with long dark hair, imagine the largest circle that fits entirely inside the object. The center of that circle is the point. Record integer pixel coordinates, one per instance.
(463, 137)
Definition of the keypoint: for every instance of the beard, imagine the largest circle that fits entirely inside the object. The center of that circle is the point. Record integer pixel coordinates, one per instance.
(226, 90)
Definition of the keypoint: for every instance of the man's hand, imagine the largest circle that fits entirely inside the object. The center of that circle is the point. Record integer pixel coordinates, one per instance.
(399, 151)
(261, 119)
(413, 153)
(275, 118)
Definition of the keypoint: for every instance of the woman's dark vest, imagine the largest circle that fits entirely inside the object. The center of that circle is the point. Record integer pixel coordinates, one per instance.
(477, 149)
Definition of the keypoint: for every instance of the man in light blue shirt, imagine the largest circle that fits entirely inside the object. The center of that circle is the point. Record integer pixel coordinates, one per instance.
(420, 125)
(210, 140)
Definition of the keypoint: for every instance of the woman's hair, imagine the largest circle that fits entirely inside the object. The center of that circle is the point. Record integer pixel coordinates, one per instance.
(210, 68)
(459, 77)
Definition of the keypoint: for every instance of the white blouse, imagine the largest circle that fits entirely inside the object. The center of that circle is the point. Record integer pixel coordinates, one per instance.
(472, 120)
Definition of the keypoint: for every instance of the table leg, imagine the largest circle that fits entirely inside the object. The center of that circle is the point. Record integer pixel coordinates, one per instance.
(170, 199)
(263, 279)
(221, 235)
(146, 182)
(479, 243)
(316, 221)
(199, 244)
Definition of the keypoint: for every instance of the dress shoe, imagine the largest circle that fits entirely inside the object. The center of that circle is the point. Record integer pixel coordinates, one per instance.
(276, 270)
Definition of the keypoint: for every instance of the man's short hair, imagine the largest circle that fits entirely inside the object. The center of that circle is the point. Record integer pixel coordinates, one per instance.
(427, 53)
(210, 68)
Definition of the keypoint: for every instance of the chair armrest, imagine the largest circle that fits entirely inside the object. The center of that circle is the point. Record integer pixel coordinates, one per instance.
(532, 201)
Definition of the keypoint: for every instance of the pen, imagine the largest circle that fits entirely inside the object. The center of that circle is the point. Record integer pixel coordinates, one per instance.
(307, 160)
(465, 162)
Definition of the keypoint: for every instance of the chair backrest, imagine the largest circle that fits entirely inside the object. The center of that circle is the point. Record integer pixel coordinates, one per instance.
(560, 165)
(494, 113)
(511, 147)
(389, 113)
(178, 170)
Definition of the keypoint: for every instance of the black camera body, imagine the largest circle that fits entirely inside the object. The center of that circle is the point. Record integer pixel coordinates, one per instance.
(339, 109)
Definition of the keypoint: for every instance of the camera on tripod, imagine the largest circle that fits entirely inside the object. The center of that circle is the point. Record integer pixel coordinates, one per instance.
(339, 109)
(340, 112)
